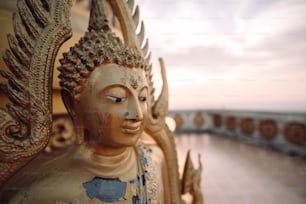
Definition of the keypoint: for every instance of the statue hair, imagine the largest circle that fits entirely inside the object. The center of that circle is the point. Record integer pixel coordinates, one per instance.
(94, 49)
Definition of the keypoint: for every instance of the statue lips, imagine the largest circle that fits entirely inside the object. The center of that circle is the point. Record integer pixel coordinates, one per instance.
(131, 128)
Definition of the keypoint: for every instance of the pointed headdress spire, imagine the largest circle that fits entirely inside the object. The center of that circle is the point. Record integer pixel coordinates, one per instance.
(98, 20)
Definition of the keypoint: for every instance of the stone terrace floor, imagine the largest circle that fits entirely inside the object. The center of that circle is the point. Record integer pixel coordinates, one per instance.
(237, 173)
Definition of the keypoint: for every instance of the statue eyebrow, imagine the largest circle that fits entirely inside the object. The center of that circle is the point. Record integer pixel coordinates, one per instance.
(124, 87)
(108, 88)
(144, 88)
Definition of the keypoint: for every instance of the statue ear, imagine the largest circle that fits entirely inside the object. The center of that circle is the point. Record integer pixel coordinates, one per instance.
(68, 99)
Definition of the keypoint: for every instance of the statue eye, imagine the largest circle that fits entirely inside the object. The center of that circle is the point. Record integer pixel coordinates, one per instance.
(143, 94)
(142, 98)
(116, 99)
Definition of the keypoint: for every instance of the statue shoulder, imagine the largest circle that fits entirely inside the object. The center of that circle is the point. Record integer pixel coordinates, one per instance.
(56, 181)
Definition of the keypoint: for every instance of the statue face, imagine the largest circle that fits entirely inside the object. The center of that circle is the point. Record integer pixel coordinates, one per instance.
(113, 106)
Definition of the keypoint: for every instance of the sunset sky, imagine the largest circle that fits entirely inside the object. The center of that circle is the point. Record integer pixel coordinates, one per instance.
(230, 54)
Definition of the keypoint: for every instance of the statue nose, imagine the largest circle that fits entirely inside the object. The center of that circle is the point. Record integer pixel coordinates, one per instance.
(134, 111)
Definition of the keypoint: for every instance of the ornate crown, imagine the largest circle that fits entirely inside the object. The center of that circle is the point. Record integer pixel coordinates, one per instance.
(98, 46)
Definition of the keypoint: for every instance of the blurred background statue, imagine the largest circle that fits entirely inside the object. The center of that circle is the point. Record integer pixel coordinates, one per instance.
(125, 151)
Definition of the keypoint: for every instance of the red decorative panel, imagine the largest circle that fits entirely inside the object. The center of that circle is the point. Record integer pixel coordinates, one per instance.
(231, 123)
(217, 120)
(268, 129)
(247, 125)
(295, 133)
(198, 119)
(178, 120)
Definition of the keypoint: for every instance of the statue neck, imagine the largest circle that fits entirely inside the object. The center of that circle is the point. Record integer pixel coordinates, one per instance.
(108, 151)
(123, 166)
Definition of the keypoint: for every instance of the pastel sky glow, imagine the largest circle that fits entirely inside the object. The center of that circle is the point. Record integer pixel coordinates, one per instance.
(232, 54)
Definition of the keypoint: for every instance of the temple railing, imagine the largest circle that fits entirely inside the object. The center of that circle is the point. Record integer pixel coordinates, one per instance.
(285, 131)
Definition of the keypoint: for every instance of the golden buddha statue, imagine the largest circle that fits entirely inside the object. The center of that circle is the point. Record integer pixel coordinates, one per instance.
(125, 151)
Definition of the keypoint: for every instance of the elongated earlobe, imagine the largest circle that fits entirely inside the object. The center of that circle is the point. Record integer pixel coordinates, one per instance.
(69, 103)
(79, 130)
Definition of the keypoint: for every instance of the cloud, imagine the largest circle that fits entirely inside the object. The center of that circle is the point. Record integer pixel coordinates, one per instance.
(212, 59)
(245, 46)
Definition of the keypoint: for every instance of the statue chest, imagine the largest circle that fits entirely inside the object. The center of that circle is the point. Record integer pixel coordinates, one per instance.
(73, 179)
(128, 184)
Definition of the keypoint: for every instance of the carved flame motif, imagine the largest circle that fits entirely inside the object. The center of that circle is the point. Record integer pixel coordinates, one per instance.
(191, 181)
(40, 29)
